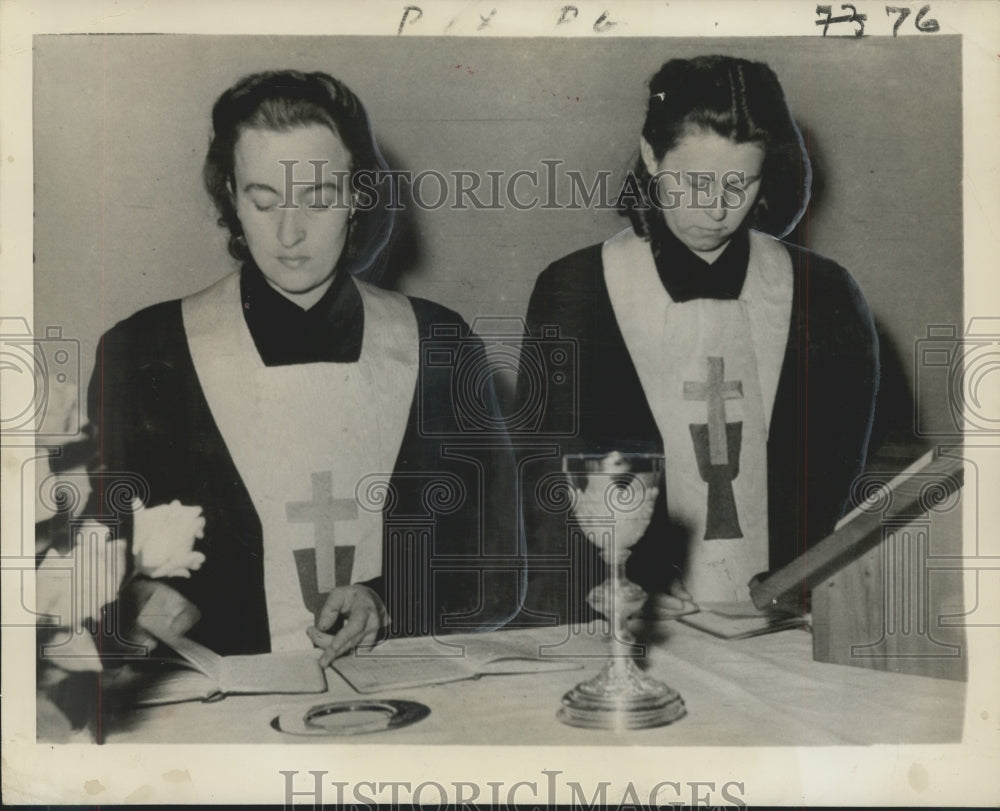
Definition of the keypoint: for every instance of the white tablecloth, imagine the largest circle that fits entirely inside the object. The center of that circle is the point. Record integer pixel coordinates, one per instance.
(763, 691)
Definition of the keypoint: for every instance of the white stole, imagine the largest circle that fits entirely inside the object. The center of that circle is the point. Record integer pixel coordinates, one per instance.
(709, 369)
(303, 436)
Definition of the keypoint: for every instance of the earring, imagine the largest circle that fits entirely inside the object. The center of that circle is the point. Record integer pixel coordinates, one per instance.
(241, 240)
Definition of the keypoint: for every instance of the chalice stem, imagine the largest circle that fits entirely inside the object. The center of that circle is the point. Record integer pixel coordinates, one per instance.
(620, 622)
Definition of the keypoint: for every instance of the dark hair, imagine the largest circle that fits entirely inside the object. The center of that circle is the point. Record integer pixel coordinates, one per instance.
(736, 99)
(280, 101)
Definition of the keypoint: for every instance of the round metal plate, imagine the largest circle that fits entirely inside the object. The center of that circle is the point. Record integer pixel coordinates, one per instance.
(355, 717)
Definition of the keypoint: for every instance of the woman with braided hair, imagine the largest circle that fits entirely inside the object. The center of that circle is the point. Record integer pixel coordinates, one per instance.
(752, 363)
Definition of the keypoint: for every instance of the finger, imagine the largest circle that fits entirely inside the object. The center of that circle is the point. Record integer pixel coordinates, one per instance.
(380, 614)
(678, 590)
(339, 645)
(370, 635)
(348, 636)
(663, 606)
(685, 607)
(318, 638)
(337, 601)
(668, 601)
(356, 621)
(140, 637)
(664, 611)
(375, 621)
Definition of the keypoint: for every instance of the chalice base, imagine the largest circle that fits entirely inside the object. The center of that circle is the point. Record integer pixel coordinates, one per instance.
(621, 697)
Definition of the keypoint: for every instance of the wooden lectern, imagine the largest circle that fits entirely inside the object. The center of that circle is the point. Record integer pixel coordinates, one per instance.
(887, 584)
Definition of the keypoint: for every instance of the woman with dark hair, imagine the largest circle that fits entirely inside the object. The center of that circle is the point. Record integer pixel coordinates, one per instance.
(281, 101)
(291, 402)
(751, 363)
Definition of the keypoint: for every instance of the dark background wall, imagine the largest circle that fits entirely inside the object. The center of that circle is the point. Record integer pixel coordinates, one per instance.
(121, 125)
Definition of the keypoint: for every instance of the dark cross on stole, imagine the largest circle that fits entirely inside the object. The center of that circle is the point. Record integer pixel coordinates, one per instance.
(717, 449)
(323, 511)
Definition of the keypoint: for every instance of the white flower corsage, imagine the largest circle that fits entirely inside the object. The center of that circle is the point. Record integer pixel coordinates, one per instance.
(163, 539)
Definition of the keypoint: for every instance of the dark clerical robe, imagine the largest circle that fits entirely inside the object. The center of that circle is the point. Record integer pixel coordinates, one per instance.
(817, 364)
(325, 447)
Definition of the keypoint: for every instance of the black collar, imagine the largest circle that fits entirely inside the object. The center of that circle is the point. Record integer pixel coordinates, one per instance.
(329, 331)
(687, 276)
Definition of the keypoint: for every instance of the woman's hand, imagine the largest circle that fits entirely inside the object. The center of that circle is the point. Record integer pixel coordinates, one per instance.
(676, 602)
(364, 617)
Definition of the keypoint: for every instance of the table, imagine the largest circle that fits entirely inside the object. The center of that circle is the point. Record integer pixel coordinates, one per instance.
(763, 691)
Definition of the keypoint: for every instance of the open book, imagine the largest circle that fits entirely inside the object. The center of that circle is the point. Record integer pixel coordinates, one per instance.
(741, 620)
(428, 660)
(201, 673)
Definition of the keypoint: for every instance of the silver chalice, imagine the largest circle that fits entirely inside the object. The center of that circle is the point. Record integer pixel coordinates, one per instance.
(614, 498)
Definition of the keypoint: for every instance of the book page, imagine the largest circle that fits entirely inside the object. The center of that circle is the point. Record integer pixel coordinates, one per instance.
(175, 686)
(371, 674)
(198, 656)
(287, 672)
(438, 660)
